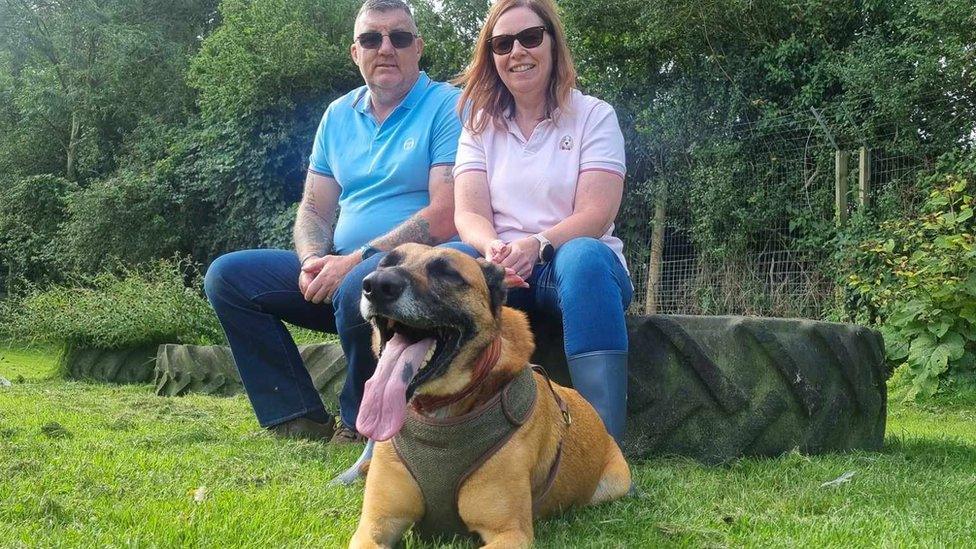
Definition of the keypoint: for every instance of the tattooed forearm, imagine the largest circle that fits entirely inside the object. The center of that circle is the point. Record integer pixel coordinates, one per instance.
(415, 229)
(312, 233)
(313, 230)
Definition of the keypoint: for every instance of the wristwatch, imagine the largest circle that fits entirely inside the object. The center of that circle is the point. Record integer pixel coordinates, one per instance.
(546, 251)
(367, 251)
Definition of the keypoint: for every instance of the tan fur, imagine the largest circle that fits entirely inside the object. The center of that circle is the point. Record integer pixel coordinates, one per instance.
(496, 501)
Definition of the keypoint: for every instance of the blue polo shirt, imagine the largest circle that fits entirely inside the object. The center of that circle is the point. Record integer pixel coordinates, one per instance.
(383, 169)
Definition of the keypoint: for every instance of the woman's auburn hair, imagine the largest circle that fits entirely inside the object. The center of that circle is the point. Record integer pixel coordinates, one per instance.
(485, 96)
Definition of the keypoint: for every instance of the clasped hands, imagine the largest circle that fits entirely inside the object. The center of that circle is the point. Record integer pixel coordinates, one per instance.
(518, 257)
(321, 276)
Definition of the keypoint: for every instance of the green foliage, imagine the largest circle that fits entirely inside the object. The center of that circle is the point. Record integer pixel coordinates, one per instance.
(449, 29)
(32, 210)
(156, 304)
(918, 277)
(265, 77)
(121, 219)
(84, 72)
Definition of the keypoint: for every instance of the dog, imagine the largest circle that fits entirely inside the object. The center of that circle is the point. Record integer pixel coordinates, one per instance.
(450, 355)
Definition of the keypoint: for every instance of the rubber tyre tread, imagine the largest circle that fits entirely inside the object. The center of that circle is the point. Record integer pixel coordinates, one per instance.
(209, 369)
(128, 365)
(716, 388)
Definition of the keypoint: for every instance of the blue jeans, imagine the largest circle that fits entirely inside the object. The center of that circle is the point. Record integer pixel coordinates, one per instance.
(252, 292)
(585, 286)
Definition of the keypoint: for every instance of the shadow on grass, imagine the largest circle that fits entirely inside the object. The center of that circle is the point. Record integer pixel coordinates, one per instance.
(930, 448)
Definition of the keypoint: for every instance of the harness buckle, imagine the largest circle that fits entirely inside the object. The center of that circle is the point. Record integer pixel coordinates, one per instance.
(568, 419)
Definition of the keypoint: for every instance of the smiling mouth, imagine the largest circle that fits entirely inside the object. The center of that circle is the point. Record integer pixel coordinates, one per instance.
(445, 346)
(521, 68)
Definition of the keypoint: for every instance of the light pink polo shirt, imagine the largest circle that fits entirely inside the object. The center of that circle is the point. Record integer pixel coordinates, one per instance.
(532, 183)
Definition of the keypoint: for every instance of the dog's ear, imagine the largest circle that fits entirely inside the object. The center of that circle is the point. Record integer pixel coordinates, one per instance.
(495, 279)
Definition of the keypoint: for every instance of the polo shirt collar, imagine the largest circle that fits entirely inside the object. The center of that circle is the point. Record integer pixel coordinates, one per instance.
(408, 102)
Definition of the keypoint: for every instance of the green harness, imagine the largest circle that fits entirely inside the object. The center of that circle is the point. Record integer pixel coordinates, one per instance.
(442, 454)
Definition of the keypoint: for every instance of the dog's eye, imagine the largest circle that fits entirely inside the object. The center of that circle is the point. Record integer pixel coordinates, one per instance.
(441, 269)
(391, 259)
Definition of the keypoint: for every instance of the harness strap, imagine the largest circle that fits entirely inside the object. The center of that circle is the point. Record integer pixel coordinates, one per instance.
(554, 468)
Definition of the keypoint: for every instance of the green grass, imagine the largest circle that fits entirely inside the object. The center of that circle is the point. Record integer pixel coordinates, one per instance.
(96, 465)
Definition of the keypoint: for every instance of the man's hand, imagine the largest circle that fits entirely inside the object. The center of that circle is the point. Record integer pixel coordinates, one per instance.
(523, 256)
(321, 276)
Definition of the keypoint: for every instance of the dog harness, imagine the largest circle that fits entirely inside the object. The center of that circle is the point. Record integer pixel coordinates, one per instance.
(442, 454)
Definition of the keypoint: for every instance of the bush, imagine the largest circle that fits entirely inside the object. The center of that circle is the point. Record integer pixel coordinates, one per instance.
(917, 277)
(130, 218)
(156, 304)
(32, 210)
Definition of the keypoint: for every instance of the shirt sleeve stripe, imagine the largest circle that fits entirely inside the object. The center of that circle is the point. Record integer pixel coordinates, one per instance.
(606, 170)
(466, 170)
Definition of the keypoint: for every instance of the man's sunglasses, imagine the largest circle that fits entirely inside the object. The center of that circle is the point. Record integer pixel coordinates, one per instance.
(373, 40)
(529, 38)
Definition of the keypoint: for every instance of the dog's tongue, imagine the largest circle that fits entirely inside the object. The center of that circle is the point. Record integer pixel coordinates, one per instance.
(384, 405)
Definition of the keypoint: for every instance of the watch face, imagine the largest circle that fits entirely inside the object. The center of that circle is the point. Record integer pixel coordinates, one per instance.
(547, 252)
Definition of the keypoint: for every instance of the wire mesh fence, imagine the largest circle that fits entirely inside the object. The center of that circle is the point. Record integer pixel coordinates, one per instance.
(736, 226)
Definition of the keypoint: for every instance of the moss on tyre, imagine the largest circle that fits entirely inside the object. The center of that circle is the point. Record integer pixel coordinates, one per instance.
(716, 388)
(182, 369)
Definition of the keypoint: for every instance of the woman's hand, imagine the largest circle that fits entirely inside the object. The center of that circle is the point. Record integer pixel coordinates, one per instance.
(523, 256)
(497, 251)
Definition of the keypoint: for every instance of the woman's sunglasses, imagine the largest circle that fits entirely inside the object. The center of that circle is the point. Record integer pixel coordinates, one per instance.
(529, 38)
(373, 40)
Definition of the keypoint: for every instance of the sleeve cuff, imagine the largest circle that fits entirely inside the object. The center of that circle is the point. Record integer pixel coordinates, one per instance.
(321, 172)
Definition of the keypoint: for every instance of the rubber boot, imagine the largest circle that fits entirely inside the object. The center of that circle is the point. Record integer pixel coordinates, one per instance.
(601, 377)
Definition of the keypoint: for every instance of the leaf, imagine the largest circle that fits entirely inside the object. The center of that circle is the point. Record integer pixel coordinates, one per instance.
(955, 343)
(907, 313)
(939, 327)
(200, 494)
(927, 357)
(896, 344)
(846, 477)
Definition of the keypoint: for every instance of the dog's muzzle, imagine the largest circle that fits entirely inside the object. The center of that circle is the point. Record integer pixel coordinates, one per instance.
(384, 286)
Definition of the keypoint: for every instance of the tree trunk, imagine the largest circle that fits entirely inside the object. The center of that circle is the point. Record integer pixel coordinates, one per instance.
(72, 164)
(657, 250)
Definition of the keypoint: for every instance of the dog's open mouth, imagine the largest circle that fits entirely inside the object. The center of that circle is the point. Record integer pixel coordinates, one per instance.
(410, 357)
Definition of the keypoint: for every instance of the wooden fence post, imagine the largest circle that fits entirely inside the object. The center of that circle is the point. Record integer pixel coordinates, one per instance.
(840, 185)
(864, 179)
(655, 263)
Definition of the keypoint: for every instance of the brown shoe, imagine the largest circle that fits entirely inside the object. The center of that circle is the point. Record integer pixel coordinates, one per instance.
(303, 428)
(345, 435)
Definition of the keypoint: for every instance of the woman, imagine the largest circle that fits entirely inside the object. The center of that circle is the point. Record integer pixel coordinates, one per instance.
(538, 180)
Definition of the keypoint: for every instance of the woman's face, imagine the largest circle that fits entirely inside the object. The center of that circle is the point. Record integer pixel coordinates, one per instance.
(525, 72)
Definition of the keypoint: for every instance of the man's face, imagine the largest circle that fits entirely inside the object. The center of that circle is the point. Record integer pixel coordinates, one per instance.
(387, 68)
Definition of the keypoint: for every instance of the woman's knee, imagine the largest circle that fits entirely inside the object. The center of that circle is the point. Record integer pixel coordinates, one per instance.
(584, 257)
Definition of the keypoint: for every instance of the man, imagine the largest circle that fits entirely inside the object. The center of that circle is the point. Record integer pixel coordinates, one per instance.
(383, 153)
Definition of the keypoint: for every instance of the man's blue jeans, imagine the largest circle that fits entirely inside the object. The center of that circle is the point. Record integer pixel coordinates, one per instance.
(252, 292)
(584, 285)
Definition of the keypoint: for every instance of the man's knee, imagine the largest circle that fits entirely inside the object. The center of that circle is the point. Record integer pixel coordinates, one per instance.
(217, 282)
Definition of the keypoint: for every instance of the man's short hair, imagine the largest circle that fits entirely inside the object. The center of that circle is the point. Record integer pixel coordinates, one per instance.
(386, 5)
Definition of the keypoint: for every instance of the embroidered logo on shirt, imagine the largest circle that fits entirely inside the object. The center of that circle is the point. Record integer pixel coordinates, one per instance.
(566, 143)
(409, 144)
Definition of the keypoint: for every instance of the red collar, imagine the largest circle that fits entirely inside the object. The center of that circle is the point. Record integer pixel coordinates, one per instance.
(486, 361)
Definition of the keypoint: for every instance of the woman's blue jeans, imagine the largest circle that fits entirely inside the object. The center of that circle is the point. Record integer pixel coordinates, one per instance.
(252, 292)
(584, 285)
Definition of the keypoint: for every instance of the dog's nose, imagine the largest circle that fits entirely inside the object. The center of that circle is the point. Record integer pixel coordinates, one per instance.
(383, 286)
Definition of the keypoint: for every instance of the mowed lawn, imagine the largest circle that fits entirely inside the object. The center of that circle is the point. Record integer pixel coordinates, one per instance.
(89, 465)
